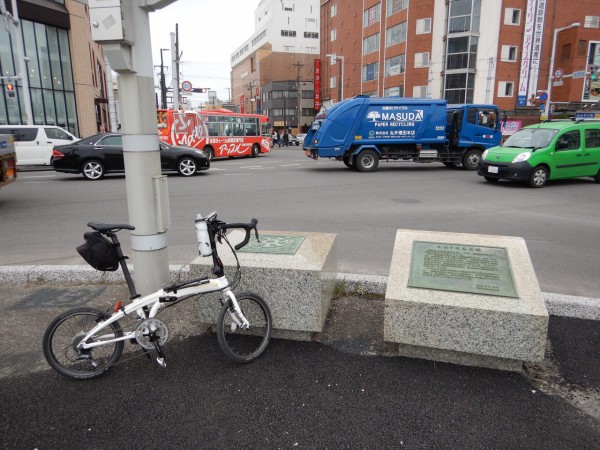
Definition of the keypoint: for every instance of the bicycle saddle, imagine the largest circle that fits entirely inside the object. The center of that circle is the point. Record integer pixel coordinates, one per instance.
(110, 227)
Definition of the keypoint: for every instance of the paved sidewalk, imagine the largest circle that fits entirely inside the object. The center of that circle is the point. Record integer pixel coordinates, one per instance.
(343, 391)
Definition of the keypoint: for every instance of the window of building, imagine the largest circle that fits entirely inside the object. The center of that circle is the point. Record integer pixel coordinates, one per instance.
(394, 6)
(372, 15)
(512, 16)
(461, 52)
(464, 16)
(371, 44)
(396, 91)
(424, 25)
(333, 10)
(51, 87)
(395, 34)
(311, 49)
(288, 33)
(370, 71)
(333, 34)
(421, 60)
(419, 91)
(395, 65)
(509, 53)
(311, 35)
(287, 6)
(458, 87)
(592, 22)
(506, 88)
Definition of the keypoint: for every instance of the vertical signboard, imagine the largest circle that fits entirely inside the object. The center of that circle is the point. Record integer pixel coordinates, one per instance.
(242, 106)
(532, 46)
(317, 66)
(591, 84)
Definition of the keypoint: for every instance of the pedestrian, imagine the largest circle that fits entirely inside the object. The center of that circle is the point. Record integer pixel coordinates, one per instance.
(286, 138)
(277, 139)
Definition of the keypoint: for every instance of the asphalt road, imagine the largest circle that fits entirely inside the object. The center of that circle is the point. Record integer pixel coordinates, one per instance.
(340, 392)
(43, 215)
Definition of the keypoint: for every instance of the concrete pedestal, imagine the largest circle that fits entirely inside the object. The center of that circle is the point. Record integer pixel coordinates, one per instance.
(462, 327)
(297, 286)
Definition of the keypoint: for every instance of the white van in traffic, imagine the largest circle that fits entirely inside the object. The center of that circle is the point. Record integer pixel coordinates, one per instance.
(34, 143)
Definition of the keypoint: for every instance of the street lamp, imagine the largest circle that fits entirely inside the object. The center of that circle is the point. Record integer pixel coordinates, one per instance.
(335, 57)
(551, 74)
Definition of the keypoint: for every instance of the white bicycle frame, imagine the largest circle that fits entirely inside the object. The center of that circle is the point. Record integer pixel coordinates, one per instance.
(204, 286)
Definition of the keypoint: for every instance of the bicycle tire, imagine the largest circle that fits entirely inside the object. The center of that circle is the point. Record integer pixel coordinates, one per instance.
(65, 332)
(240, 345)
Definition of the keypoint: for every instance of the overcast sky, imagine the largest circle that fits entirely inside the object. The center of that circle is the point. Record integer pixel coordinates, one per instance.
(209, 31)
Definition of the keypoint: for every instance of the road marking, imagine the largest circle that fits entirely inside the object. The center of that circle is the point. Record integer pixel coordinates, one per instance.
(288, 165)
(37, 176)
(39, 182)
(237, 174)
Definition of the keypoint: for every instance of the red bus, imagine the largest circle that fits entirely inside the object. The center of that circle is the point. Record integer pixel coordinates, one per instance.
(219, 132)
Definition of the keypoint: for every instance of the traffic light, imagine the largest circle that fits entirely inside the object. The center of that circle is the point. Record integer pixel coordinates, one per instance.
(200, 90)
(10, 90)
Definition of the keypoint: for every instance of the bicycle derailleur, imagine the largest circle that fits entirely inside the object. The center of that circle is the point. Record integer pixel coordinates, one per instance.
(151, 334)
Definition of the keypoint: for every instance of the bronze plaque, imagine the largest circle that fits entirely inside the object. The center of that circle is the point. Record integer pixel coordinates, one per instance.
(461, 268)
(274, 244)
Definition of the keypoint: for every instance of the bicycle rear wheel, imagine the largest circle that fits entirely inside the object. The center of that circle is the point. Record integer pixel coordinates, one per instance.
(239, 344)
(67, 330)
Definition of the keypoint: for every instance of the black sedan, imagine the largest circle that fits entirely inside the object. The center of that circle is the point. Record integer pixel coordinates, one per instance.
(97, 155)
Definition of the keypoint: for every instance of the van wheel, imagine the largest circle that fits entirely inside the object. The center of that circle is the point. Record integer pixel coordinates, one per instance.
(539, 177)
(366, 161)
(470, 160)
(597, 177)
(93, 170)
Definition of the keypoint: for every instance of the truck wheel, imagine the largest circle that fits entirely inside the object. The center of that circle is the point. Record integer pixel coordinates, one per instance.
(471, 159)
(367, 161)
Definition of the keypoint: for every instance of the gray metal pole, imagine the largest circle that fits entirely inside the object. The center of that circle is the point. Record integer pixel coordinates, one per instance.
(163, 86)
(175, 76)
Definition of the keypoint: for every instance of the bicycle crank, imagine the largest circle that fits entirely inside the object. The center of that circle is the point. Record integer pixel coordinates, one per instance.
(150, 333)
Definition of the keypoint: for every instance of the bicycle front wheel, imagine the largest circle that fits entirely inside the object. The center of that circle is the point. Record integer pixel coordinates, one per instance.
(239, 343)
(67, 330)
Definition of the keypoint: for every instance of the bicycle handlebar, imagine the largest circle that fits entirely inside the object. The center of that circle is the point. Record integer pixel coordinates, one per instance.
(245, 226)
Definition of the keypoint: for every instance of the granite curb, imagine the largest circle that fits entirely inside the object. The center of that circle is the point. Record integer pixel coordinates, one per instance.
(355, 284)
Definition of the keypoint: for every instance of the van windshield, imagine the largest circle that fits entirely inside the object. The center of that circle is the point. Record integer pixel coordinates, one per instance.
(531, 138)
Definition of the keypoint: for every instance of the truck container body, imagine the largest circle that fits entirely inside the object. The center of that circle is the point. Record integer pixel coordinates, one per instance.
(363, 130)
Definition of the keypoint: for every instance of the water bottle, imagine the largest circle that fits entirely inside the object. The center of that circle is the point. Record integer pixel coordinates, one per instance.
(202, 234)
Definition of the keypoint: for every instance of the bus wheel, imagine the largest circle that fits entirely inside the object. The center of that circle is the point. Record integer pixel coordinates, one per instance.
(367, 161)
(255, 150)
(209, 152)
(471, 159)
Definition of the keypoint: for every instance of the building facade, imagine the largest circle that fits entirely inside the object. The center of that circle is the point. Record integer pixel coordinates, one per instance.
(272, 72)
(65, 69)
(465, 51)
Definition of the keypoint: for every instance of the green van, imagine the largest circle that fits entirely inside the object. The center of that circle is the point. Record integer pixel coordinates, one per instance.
(546, 151)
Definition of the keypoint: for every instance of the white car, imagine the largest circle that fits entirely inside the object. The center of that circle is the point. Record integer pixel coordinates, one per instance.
(34, 143)
(299, 139)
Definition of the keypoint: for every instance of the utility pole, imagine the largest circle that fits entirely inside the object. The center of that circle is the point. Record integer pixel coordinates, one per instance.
(163, 86)
(298, 66)
(175, 65)
(124, 32)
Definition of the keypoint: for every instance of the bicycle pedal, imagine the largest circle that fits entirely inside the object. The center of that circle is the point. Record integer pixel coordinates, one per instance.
(161, 362)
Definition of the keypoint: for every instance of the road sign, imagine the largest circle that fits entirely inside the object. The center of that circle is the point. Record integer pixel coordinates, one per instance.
(543, 97)
(558, 73)
(579, 74)
(186, 86)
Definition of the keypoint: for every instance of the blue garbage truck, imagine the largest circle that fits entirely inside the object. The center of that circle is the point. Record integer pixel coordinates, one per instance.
(362, 131)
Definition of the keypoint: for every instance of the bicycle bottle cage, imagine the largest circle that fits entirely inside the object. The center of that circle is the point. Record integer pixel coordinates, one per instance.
(99, 252)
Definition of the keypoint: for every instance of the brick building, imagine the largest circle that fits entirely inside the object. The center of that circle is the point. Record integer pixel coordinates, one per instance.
(466, 51)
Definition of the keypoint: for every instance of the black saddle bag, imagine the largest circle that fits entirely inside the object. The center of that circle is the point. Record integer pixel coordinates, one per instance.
(99, 252)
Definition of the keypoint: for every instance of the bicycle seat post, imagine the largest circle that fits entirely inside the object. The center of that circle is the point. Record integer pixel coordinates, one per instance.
(122, 262)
